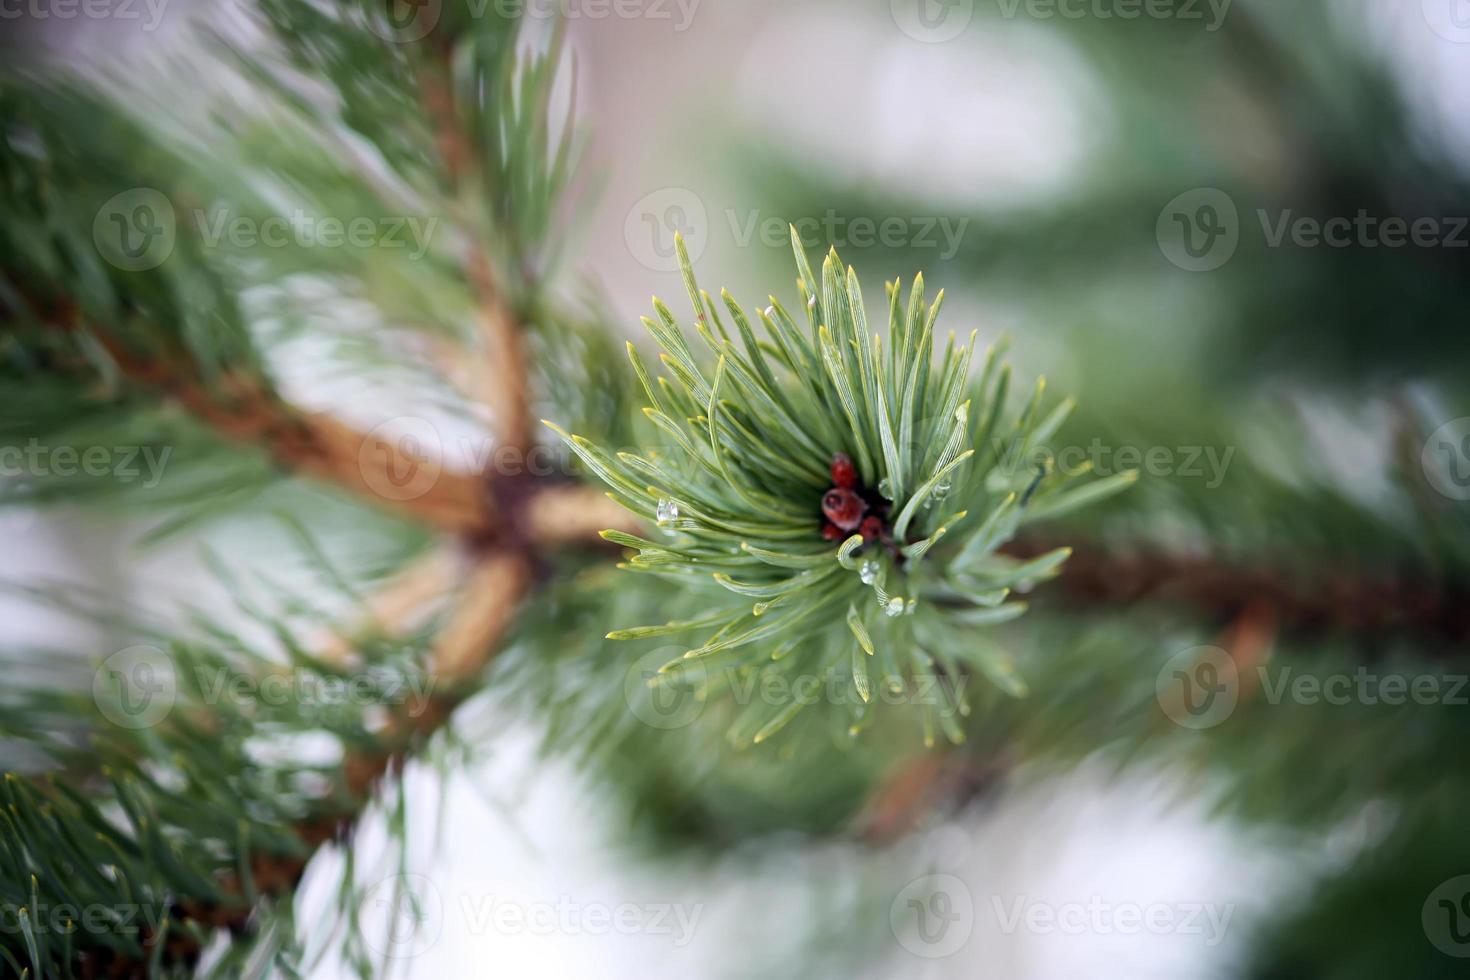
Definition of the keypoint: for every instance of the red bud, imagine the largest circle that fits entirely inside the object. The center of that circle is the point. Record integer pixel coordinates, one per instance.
(844, 474)
(843, 508)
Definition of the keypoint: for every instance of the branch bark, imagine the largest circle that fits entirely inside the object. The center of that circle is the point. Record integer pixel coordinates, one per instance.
(390, 475)
(509, 396)
(1361, 601)
(573, 515)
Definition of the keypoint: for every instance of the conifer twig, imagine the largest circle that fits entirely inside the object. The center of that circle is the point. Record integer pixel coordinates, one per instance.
(242, 408)
(1357, 600)
(319, 445)
(398, 605)
(486, 608)
(572, 514)
(499, 327)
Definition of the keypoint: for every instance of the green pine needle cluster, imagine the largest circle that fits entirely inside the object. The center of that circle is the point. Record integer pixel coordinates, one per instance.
(191, 757)
(738, 488)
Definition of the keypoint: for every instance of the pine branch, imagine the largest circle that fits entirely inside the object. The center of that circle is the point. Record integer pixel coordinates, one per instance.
(485, 612)
(474, 631)
(575, 515)
(242, 408)
(1354, 601)
(499, 327)
(399, 605)
(826, 484)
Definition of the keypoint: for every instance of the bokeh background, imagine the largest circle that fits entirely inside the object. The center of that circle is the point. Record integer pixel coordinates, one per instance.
(1120, 187)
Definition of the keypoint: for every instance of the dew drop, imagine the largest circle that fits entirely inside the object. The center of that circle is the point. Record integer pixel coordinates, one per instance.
(668, 511)
(868, 572)
(885, 487)
(894, 606)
